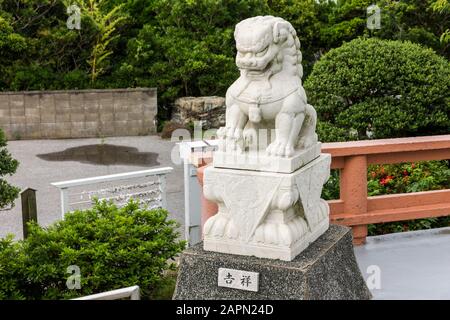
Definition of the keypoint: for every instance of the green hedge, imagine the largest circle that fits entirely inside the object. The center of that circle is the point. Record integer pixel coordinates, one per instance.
(113, 247)
(372, 88)
(380, 89)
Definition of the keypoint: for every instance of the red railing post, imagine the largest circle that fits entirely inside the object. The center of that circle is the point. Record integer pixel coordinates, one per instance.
(353, 185)
(209, 208)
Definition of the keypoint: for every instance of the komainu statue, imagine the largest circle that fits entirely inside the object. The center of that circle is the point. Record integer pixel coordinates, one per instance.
(268, 97)
(271, 206)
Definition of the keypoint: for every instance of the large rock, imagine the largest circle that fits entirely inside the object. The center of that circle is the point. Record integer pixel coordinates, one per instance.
(326, 270)
(210, 111)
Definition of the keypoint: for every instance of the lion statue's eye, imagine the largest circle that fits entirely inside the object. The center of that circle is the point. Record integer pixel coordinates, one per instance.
(262, 53)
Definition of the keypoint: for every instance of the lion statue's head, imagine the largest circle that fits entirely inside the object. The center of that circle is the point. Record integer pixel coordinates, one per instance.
(266, 45)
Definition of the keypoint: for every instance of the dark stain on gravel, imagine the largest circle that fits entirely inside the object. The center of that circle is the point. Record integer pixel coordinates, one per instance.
(104, 154)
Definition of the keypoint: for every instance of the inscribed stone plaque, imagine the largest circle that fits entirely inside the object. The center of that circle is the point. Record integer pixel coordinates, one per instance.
(238, 279)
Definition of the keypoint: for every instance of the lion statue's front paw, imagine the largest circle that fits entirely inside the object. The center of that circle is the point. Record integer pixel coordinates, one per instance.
(280, 149)
(219, 226)
(250, 137)
(231, 139)
(306, 142)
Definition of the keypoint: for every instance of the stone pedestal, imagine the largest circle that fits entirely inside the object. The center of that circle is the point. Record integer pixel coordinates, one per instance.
(260, 161)
(266, 214)
(267, 179)
(327, 269)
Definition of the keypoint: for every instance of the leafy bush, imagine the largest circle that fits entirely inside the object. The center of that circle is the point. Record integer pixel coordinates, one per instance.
(382, 89)
(11, 266)
(8, 166)
(419, 21)
(113, 247)
(328, 132)
(331, 189)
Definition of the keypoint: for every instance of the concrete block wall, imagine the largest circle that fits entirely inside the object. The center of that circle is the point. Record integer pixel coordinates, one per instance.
(78, 113)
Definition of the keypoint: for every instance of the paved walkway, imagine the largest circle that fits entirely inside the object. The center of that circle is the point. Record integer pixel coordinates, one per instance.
(38, 172)
(412, 265)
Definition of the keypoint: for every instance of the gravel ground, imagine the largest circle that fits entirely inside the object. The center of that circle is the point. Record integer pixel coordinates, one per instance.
(38, 172)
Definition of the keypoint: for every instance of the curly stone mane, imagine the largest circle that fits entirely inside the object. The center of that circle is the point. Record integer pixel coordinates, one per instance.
(284, 34)
(291, 55)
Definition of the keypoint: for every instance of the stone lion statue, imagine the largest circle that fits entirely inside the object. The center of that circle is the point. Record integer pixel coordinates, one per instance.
(269, 93)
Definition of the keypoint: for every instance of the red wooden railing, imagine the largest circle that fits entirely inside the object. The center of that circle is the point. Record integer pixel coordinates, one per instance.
(355, 208)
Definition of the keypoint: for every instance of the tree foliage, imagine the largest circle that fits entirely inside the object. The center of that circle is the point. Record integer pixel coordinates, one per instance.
(8, 166)
(105, 22)
(183, 47)
(424, 22)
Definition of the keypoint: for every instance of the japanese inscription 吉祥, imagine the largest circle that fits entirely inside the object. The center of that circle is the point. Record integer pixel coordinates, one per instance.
(238, 279)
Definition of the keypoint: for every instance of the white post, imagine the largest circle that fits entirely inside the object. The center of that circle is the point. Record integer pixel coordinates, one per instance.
(192, 153)
(64, 202)
(192, 205)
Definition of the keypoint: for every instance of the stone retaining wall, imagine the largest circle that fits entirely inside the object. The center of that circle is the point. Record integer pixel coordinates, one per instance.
(78, 113)
(209, 110)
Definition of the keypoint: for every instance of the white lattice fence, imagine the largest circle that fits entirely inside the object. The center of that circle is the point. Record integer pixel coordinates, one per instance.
(146, 186)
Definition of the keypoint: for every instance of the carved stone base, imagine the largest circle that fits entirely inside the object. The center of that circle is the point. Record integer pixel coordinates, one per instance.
(259, 161)
(326, 270)
(269, 251)
(266, 214)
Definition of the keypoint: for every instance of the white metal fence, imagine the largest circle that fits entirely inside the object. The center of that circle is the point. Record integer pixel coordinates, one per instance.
(131, 292)
(146, 186)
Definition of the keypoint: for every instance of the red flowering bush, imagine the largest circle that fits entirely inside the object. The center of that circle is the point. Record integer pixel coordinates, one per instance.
(404, 178)
(408, 177)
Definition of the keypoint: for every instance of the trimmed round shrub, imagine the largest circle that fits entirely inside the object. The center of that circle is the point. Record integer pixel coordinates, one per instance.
(111, 248)
(372, 88)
